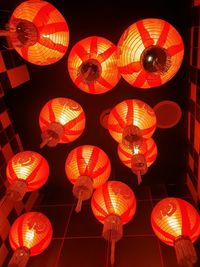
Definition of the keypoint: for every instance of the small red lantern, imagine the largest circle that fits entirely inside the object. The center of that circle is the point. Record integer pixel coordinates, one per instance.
(38, 32)
(87, 167)
(130, 121)
(92, 65)
(177, 223)
(62, 120)
(113, 204)
(140, 157)
(26, 171)
(150, 53)
(29, 235)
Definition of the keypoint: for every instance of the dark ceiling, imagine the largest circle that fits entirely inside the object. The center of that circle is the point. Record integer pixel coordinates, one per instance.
(107, 19)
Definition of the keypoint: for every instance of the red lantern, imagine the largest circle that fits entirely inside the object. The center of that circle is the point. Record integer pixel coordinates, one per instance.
(87, 167)
(39, 32)
(140, 157)
(62, 120)
(177, 223)
(113, 204)
(26, 171)
(130, 121)
(29, 235)
(92, 65)
(150, 53)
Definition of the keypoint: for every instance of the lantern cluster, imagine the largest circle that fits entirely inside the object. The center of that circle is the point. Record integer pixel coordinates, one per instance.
(149, 53)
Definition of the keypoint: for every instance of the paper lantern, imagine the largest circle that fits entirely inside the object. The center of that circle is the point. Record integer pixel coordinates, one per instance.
(150, 53)
(113, 204)
(87, 167)
(130, 121)
(92, 65)
(177, 223)
(140, 157)
(38, 32)
(26, 171)
(29, 235)
(62, 120)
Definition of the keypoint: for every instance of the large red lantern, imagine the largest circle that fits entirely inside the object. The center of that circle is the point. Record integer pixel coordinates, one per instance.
(30, 235)
(38, 32)
(87, 167)
(26, 171)
(113, 204)
(150, 53)
(140, 157)
(92, 65)
(177, 223)
(130, 121)
(62, 120)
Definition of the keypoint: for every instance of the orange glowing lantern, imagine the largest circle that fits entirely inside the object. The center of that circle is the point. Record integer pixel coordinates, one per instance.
(130, 121)
(29, 235)
(150, 53)
(177, 223)
(140, 157)
(38, 32)
(92, 65)
(113, 204)
(62, 120)
(26, 171)
(87, 167)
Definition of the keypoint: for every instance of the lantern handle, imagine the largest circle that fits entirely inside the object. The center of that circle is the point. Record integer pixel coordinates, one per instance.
(80, 200)
(5, 33)
(112, 255)
(45, 141)
(139, 177)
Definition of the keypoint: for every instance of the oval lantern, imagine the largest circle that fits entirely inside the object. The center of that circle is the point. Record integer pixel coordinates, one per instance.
(26, 171)
(92, 65)
(87, 167)
(177, 223)
(150, 53)
(130, 121)
(29, 235)
(114, 205)
(62, 120)
(140, 158)
(38, 32)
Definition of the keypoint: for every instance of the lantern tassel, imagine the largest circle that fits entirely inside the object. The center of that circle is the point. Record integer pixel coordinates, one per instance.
(185, 252)
(112, 256)
(19, 258)
(4, 199)
(79, 203)
(45, 142)
(139, 178)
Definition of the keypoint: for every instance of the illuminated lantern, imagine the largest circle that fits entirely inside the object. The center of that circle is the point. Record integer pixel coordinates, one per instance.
(150, 53)
(29, 235)
(87, 167)
(113, 204)
(139, 158)
(38, 32)
(177, 223)
(26, 171)
(92, 65)
(130, 121)
(62, 120)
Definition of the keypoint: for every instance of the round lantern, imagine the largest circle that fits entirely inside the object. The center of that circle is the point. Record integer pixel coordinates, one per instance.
(150, 53)
(140, 157)
(26, 171)
(177, 223)
(29, 235)
(92, 65)
(113, 204)
(130, 121)
(87, 167)
(62, 120)
(38, 32)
